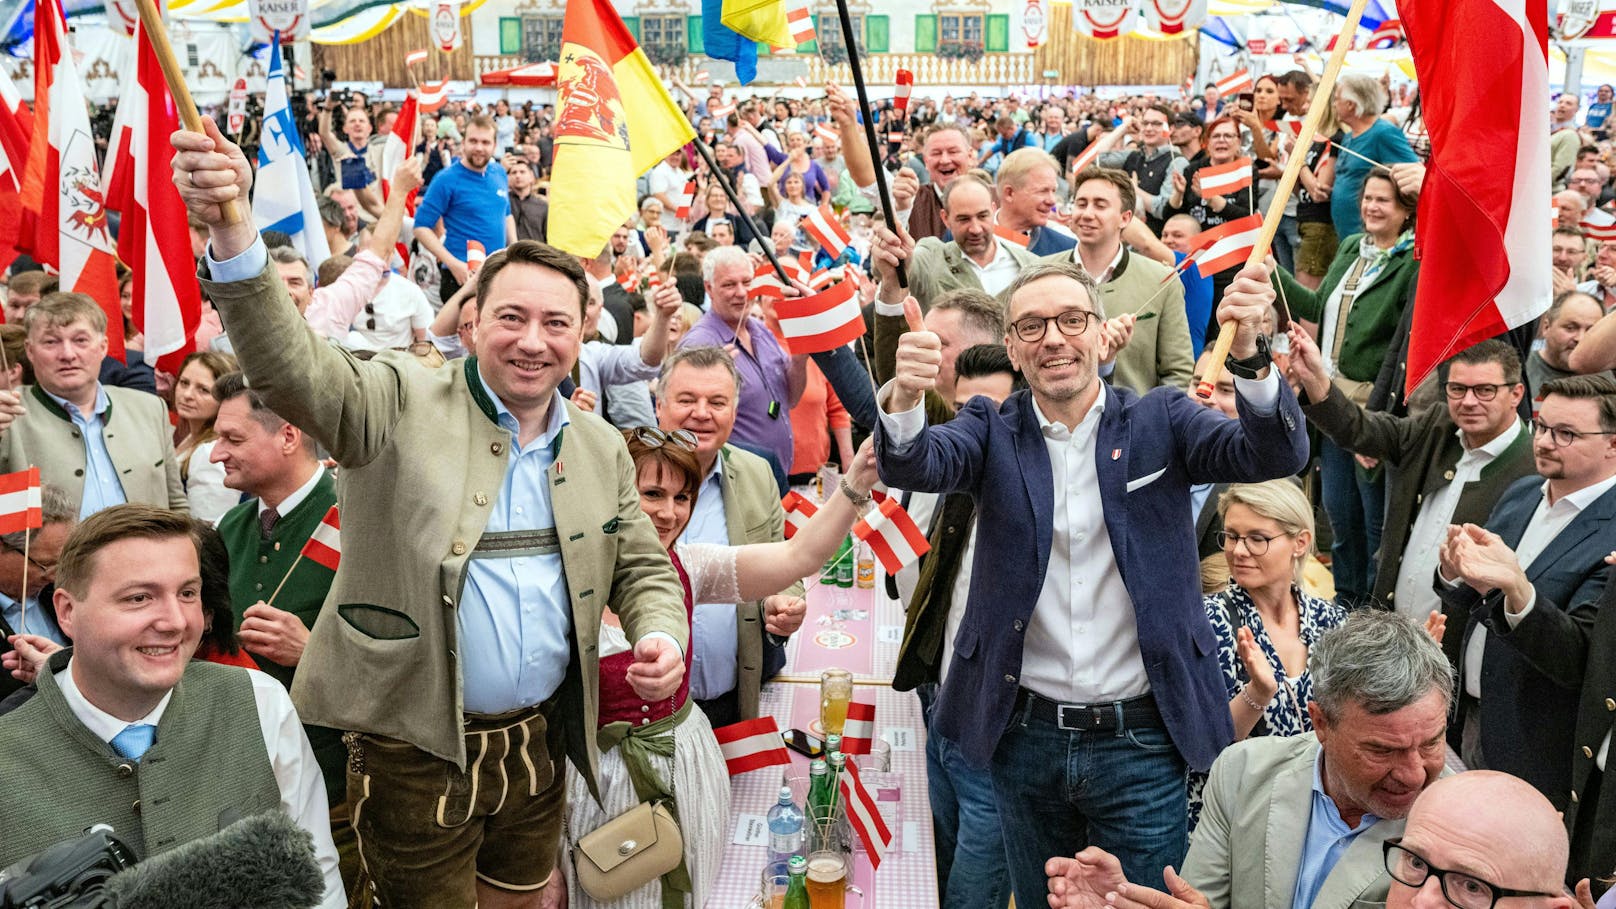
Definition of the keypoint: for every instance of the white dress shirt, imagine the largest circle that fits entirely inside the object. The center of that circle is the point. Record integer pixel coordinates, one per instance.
(290, 757)
(298, 495)
(998, 273)
(958, 597)
(1110, 269)
(1415, 597)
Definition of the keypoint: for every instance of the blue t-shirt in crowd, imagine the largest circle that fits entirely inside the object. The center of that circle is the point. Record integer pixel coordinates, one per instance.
(473, 206)
(1381, 142)
(1598, 113)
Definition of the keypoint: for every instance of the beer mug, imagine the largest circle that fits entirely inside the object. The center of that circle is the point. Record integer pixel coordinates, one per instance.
(830, 879)
(835, 691)
(772, 889)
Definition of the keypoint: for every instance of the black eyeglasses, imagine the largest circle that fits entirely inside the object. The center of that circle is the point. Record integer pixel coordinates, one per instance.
(1071, 323)
(1256, 543)
(1484, 392)
(1564, 435)
(652, 437)
(1463, 890)
(44, 570)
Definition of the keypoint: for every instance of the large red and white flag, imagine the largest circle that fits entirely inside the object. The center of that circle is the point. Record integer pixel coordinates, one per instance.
(62, 182)
(1235, 83)
(1223, 179)
(892, 535)
(752, 745)
(21, 507)
(16, 128)
(400, 142)
(859, 729)
(826, 230)
(1598, 225)
(325, 543)
(687, 198)
(824, 321)
(865, 815)
(798, 508)
(1224, 246)
(1484, 255)
(152, 237)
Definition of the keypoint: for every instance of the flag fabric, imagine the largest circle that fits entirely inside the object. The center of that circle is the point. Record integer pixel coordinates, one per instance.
(798, 508)
(901, 90)
(1599, 225)
(614, 122)
(1175, 17)
(21, 507)
(864, 814)
(1011, 236)
(687, 198)
(283, 195)
(859, 729)
(325, 543)
(16, 130)
(153, 240)
(701, 76)
(434, 95)
(759, 20)
(720, 42)
(826, 132)
(752, 745)
(1480, 239)
(400, 142)
(62, 182)
(1235, 83)
(1104, 20)
(823, 226)
(802, 25)
(1224, 246)
(824, 321)
(891, 533)
(801, 81)
(415, 57)
(1091, 152)
(1387, 36)
(766, 284)
(476, 254)
(720, 111)
(1223, 179)
(824, 278)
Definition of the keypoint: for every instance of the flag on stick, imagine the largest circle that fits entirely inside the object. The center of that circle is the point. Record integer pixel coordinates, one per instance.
(283, 195)
(1235, 83)
(892, 534)
(802, 25)
(325, 543)
(16, 131)
(476, 254)
(21, 507)
(434, 95)
(1223, 179)
(416, 57)
(798, 509)
(824, 321)
(1224, 246)
(400, 142)
(859, 729)
(901, 91)
(687, 198)
(864, 814)
(827, 231)
(752, 745)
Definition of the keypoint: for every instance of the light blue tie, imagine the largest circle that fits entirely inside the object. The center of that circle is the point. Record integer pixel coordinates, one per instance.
(134, 740)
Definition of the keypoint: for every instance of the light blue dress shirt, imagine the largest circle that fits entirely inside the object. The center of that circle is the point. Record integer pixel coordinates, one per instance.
(515, 615)
(713, 631)
(1327, 837)
(102, 488)
(11, 610)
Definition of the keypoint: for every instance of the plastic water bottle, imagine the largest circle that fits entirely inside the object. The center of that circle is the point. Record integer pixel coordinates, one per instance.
(785, 828)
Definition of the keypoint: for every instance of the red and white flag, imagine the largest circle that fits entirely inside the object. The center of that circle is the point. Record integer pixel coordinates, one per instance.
(801, 23)
(476, 253)
(20, 505)
(766, 284)
(325, 543)
(1387, 36)
(799, 508)
(152, 237)
(1235, 83)
(859, 729)
(826, 132)
(687, 198)
(1598, 224)
(416, 57)
(802, 82)
(826, 230)
(752, 745)
(864, 814)
(1091, 152)
(901, 90)
(722, 110)
(1224, 246)
(824, 278)
(62, 183)
(16, 130)
(1223, 179)
(701, 76)
(824, 321)
(400, 142)
(892, 534)
(434, 95)
(1483, 68)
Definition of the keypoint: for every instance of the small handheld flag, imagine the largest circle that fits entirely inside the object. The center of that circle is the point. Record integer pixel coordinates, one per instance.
(752, 745)
(476, 254)
(802, 25)
(826, 230)
(901, 91)
(799, 509)
(864, 814)
(21, 507)
(325, 543)
(859, 729)
(1235, 83)
(824, 321)
(1223, 179)
(893, 535)
(687, 198)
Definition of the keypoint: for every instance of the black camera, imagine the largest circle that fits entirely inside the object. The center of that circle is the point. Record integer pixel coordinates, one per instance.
(69, 875)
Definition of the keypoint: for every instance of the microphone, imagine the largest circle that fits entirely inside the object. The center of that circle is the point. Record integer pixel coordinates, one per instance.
(265, 861)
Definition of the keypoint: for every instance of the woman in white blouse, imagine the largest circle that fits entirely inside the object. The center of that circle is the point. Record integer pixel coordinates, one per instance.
(205, 491)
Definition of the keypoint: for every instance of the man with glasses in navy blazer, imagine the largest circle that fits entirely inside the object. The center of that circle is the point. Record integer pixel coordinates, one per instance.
(1085, 673)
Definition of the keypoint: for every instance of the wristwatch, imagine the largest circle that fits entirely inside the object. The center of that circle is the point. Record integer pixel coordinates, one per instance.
(1252, 366)
(859, 501)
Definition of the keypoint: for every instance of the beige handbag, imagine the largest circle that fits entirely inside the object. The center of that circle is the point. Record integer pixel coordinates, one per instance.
(629, 851)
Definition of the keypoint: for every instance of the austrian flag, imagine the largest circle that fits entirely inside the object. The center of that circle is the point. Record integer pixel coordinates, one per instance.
(798, 509)
(1599, 225)
(752, 745)
(476, 254)
(325, 543)
(864, 814)
(686, 198)
(824, 321)
(766, 284)
(827, 231)
(892, 534)
(20, 505)
(1226, 245)
(1235, 83)
(859, 729)
(1223, 179)
(802, 25)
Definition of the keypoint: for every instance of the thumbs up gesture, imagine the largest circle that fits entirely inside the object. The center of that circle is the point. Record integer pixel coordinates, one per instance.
(920, 353)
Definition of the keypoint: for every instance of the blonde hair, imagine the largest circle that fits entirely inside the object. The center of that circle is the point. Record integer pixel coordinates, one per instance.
(1019, 165)
(1280, 501)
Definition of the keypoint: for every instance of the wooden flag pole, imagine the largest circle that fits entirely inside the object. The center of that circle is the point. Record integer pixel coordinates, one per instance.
(284, 578)
(151, 22)
(1287, 183)
(868, 116)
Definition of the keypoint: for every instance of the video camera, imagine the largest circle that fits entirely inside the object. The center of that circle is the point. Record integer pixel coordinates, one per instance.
(72, 873)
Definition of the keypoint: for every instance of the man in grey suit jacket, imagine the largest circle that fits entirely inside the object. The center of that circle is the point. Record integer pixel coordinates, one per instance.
(977, 257)
(1299, 821)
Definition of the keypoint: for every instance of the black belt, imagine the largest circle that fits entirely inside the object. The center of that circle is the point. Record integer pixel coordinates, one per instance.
(1134, 713)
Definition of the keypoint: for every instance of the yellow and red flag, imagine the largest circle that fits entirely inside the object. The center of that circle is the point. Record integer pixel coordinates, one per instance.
(614, 122)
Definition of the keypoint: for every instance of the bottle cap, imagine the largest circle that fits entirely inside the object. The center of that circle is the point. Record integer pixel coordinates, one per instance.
(785, 793)
(817, 766)
(797, 864)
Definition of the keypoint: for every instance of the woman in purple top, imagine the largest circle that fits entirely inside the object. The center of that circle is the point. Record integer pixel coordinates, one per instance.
(798, 161)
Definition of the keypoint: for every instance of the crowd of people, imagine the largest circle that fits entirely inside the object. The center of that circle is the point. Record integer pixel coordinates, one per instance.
(1303, 640)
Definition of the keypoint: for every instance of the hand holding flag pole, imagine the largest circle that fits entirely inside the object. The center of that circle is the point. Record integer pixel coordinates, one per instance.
(1287, 182)
(151, 21)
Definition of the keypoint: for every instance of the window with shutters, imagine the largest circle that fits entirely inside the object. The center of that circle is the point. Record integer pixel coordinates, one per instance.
(830, 30)
(662, 30)
(961, 27)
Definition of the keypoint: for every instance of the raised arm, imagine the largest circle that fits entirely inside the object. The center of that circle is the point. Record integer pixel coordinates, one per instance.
(332, 309)
(763, 569)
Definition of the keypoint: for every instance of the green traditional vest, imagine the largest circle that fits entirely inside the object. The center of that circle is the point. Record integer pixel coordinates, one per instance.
(207, 768)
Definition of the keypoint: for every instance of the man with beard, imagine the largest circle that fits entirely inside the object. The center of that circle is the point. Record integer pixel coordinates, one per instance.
(471, 198)
(975, 258)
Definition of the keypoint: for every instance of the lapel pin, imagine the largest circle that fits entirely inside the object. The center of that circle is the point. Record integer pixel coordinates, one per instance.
(1116, 453)
(560, 467)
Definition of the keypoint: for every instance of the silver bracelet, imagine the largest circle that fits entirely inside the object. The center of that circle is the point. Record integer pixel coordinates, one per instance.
(857, 500)
(1245, 695)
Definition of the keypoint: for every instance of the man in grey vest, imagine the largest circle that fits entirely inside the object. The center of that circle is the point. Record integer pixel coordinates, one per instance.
(127, 730)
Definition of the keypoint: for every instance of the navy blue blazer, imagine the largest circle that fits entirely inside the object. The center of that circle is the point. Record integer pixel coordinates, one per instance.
(1163, 442)
(1529, 718)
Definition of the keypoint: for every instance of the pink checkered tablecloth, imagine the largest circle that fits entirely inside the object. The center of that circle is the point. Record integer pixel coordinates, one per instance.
(908, 874)
(846, 628)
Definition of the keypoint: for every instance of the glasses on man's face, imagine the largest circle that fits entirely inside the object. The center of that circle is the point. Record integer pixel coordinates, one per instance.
(1564, 435)
(652, 437)
(1256, 543)
(1466, 891)
(1071, 323)
(1483, 392)
(45, 571)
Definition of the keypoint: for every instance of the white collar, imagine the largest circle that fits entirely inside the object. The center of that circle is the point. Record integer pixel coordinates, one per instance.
(1058, 428)
(1496, 446)
(1583, 497)
(101, 724)
(297, 497)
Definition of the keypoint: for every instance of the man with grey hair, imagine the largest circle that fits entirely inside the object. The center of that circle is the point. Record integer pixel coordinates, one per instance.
(1359, 102)
(1299, 821)
(28, 566)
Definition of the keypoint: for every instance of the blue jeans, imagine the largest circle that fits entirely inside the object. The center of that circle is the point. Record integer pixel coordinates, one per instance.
(1356, 508)
(1060, 792)
(971, 866)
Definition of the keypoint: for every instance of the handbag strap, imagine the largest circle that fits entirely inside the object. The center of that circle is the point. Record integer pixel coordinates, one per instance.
(635, 745)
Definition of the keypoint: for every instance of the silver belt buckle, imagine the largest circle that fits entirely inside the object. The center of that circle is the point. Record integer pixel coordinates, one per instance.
(1088, 719)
